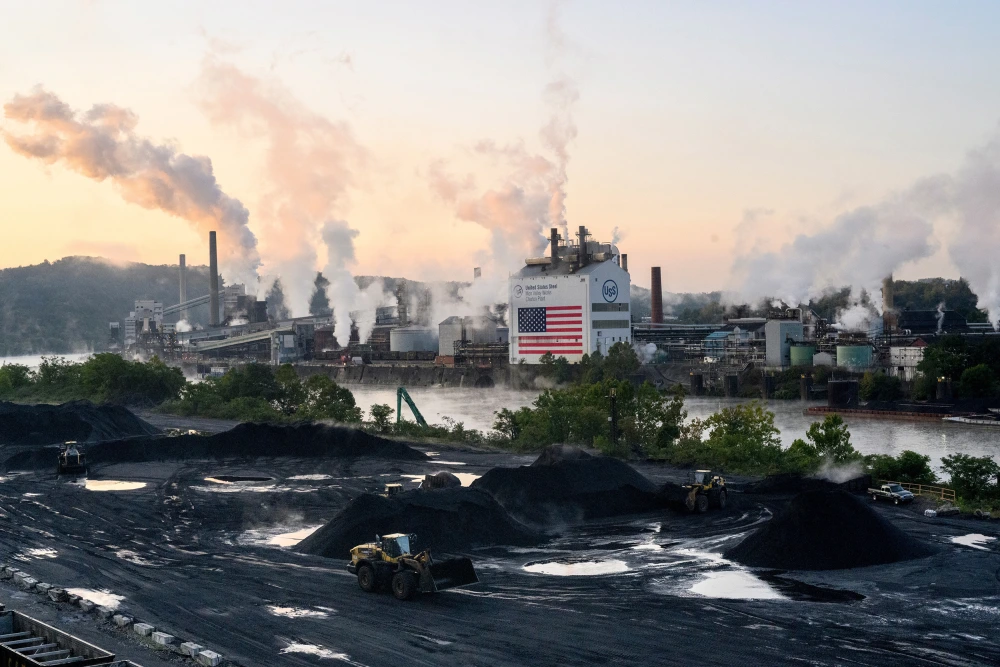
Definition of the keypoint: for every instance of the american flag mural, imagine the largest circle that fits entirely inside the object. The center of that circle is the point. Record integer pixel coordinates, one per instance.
(555, 329)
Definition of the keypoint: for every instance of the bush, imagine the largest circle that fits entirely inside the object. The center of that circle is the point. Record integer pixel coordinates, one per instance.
(972, 477)
(743, 438)
(879, 387)
(832, 441)
(382, 417)
(14, 377)
(909, 467)
(978, 382)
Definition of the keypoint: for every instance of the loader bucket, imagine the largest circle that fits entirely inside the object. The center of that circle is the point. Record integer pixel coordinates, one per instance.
(452, 573)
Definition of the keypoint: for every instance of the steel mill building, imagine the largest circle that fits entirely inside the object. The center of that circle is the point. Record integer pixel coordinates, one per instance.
(571, 303)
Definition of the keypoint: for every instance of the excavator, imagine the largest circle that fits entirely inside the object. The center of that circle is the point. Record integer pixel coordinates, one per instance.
(72, 460)
(393, 561)
(703, 490)
(403, 395)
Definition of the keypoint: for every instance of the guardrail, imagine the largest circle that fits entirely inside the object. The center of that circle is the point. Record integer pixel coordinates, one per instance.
(939, 492)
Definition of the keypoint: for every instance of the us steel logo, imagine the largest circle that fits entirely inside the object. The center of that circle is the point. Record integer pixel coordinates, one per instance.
(518, 290)
(610, 290)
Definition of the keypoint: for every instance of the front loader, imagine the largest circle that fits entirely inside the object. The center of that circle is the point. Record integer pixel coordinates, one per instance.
(389, 561)
(705, 490)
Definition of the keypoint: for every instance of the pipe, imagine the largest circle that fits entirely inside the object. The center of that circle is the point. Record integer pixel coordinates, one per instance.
(213, 281)
(554, 245)
(656, 297)
(184, 286)
(625, 263)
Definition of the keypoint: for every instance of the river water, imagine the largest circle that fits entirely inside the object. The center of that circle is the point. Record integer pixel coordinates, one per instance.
(475, 408)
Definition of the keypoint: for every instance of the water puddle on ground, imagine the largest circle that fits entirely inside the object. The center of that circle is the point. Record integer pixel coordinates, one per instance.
(466, 478)
(318, 651)
(293, 538)
(735, 585)
(35, 554)
(112, 485)
(449, 463)
(222, 486)
(296, 612)
(312, 478)
(233, 479)
(974, 540)
(101, 598)
(583, 568)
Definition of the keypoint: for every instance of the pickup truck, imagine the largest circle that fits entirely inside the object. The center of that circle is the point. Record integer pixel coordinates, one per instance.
(893, 492)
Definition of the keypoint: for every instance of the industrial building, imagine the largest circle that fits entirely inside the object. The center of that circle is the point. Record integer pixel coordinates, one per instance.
(571, 303)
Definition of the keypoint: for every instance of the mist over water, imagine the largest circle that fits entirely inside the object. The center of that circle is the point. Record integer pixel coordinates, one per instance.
(475, 407)
(33, 361)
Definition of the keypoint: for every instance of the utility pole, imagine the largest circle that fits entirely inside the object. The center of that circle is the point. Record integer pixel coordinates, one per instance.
(613, 418)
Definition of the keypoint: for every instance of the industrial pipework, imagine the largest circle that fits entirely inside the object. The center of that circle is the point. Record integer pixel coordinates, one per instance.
(656, 297)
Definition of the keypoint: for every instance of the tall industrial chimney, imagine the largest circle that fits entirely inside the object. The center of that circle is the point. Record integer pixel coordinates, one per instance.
(213, 281)
(625, 262)
(656, 297)
(554, 245)
(889, 318)
(582, 255)
(184, 286)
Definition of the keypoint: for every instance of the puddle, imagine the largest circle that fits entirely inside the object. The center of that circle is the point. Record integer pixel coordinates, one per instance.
(974, 540)
(311, 478)
(589, 568)
(647, 546)
(466, 478)
(237, 487)
(293, 538)
(295, 612)
(101, 598)
(32, 495)
(112, 485)
(232, 479)
(318, 651)
(35, 554)
(735, 585)
(135, 558)
(449, 463)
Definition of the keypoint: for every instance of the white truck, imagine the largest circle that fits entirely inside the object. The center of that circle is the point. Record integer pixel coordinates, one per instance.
(894, 492)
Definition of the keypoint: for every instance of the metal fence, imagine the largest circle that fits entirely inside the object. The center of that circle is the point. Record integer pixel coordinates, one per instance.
(939, 492)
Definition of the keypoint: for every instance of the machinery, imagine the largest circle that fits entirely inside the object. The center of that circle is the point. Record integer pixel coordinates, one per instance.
(391, 490)
(72, 460)
(403, 395)
(705, 490)
(390, 561)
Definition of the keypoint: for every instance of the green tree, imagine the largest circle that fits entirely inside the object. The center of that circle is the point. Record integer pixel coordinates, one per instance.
(978, 382)
(879, 387)
(621, 362)
(325, 399)
(249, 381)
(14, 377)
(743, 437)
(946, 357)
(800, 457)
(292, 393)
(909, 467)
(832, 440)
(382, 417)
(972, 477)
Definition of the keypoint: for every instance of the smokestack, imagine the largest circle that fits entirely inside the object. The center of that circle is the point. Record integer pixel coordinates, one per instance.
(554, 245)
(584, 258)
(656, 296)
(625, 262)
(889, 319)
(184, 286)
(213, 281)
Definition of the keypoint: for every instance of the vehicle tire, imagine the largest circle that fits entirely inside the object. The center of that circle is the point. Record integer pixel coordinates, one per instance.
(404, 585)
(366, 579)
(874, 498)
(701, 503)
(722, 499)
(895, 501)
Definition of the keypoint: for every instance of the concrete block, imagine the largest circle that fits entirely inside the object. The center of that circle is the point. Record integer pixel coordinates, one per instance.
(930, 513)
(24, 581)
(122, 621)
(42, 587)
(57, 595)
(7, 572)
(86, 605)
(163, 639)
(72, 599)
(191, 649)
(105, 612)
(143, 629)
(208, 658)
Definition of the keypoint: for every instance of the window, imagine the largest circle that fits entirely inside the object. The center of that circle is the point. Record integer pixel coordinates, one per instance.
(609, 307)
(611, 324)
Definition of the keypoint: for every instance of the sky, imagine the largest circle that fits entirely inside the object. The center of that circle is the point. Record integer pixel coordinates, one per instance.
(434, 137)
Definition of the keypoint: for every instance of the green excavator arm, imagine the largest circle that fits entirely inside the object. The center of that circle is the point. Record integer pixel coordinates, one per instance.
(403, 395)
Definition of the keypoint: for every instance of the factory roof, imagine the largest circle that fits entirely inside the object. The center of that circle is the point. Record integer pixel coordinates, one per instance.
(927, 321)
(561, 269)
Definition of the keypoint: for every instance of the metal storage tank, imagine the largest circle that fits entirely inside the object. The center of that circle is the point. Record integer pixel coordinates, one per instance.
(413, 339)
(802, 355)
(854, 356)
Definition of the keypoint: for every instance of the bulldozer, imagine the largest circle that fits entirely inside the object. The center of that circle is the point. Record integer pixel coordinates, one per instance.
(705, 490)
(72, 460)
(393, 561)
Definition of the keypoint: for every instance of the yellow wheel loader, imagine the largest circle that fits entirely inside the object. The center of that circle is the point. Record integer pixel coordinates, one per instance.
(390, 562)
(72, 460)
(705, 490)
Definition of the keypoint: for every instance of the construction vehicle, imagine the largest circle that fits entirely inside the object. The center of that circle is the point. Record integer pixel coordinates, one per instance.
(72, 460)
(705, 490)
(393, 561)
(391, 490)
(403, 395)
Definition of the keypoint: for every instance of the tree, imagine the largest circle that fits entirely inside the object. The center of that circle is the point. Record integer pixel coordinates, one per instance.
(945, 357)
(319, 302)
(325, 399)
(14, 377)
(382, 417)
(978, 382)
(832, 440)
(879, 387)
(743, 437)
(249, 381)
(972, 477)
(293, 393)
(909, 467)
(621, 362)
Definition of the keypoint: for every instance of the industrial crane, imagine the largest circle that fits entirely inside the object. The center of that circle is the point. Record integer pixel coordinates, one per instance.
(403, 395)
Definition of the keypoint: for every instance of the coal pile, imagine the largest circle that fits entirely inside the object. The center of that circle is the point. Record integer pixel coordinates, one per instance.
(306, 440)
(791, 483)
(562, 487)
(78, 420)
(827, 530)
(444, 520)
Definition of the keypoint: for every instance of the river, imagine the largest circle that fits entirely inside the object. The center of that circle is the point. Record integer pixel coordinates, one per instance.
(475, 408)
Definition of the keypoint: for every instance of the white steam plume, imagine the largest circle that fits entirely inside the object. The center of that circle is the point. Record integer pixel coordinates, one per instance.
(346, 298)
(310, 163)
(102, 144)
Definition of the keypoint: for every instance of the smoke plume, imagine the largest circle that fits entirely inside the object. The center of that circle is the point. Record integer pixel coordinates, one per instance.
(349, 301)
(310, 164)
(102, 144)
(276, 309)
